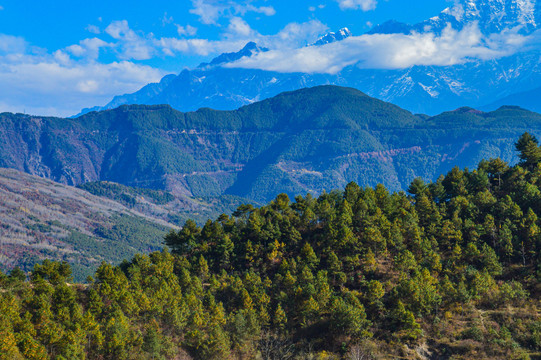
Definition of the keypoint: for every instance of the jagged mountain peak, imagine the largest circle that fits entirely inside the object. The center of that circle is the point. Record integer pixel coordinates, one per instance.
(493, 15)
(250, 49)
(441, 88)
(332, 36)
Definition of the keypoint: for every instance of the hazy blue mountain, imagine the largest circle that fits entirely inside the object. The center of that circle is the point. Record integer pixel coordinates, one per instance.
(141, 96)
(527, 99)
(309, 140)
(420, 89)
(249, 50)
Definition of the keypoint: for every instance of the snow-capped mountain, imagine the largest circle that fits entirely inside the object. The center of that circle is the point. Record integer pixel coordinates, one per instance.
(421, 89)
(492, 16)
(331, 37)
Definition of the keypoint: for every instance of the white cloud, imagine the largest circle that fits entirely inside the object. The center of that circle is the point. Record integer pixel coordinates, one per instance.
(390, 51)
(239, 27)
(12, 44)
(187, 30)
(88, 86)
(130, 44)
(314, 8)
(62, 57)
(265, 10)
(201, 47)
(45, 86)
(88, 48)
(364, 5)
(210, 11)
(66, 80)
(167, 19)
(120, 30)
(297, 34)
(93, 29)
(238, 33)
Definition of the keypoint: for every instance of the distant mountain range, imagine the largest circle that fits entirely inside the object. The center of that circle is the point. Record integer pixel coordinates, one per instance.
(527, 99)
(307, 141)
(420, 89)
(492, 16)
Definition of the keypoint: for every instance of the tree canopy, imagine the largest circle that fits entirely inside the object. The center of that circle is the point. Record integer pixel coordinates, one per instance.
(454, 265)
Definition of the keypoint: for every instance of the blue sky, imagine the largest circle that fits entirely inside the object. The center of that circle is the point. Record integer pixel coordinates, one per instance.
(59, 56)
(53, 25)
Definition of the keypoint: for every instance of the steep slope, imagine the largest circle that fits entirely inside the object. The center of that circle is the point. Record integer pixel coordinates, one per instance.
(492, 16)
(310, 140)
(43, 219)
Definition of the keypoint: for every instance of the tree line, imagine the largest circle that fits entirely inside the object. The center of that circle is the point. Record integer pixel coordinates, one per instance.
(452, 266)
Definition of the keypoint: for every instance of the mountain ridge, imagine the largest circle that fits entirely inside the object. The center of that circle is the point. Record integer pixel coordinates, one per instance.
(305, 141)
(332, 36)
(419, 89)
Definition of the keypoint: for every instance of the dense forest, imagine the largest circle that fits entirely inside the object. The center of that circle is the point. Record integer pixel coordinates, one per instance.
(450, 269)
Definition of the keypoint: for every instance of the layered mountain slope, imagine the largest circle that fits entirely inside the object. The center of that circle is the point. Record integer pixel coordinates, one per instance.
(420, 89)
(310, 140)
(42, 219)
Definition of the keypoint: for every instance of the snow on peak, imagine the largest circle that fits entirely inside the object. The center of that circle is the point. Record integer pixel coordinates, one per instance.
(456, 11)
(332, 37)
(506, 12)
(344, 32)
(493, 15)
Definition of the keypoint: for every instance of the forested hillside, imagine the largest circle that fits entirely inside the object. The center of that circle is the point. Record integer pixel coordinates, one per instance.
(305, 141)
(41, 219)
(450, 271)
